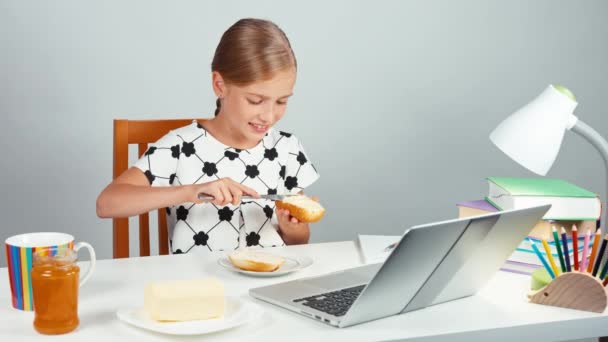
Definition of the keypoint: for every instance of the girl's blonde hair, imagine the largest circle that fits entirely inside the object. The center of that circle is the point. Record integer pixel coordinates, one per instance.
(252, 50)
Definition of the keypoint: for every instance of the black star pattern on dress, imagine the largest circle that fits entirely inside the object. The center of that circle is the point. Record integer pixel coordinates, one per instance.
(271, 154)
(200, 239)
(172, 178)
(285, 134)
(168, 210)
(252, 171)
(231, 155)
(150, 150)
(175, 151)
(188, 149)
(225, 214)
(268, 211)
(209, 169)
(150, 176)
(178, 251)
(291, 182)
(301, 158)
(181, 213)
(272, 191)
(283, 171)
(253, 239)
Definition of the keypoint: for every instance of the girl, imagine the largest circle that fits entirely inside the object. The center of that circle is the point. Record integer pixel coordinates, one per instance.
(233, 154)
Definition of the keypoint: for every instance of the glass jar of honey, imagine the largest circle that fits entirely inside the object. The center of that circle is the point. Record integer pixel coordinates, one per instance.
(55, 282)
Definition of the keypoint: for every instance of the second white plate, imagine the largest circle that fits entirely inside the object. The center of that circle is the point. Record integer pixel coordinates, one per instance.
(238, 312)
(292, 264)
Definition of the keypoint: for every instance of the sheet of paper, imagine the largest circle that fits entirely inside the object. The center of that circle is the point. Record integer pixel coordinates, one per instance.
(374, 249)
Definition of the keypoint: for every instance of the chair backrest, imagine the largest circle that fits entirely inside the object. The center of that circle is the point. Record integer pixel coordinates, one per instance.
(142, 133)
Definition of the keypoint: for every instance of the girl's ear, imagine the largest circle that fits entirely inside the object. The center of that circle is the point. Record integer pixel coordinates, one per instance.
(217, 82)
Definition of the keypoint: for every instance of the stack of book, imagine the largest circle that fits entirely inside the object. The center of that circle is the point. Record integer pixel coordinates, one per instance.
(571, 206)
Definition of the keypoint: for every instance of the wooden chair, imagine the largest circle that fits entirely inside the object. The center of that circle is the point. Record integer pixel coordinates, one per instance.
(142, 133)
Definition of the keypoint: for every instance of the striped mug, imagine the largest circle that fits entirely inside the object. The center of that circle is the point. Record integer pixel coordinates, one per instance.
(19, 252)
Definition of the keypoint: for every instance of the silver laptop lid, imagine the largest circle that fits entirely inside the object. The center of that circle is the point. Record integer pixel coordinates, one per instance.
(442, 261)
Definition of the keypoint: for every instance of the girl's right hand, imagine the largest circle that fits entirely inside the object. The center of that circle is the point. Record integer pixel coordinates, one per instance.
(224, 191)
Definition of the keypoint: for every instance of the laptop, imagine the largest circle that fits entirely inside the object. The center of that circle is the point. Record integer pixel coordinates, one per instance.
(431, 264)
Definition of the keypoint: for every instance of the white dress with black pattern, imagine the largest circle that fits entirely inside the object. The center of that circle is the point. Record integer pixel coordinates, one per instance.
(191, 155)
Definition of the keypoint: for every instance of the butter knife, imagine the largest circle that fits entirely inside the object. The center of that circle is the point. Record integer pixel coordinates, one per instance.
(205, 197)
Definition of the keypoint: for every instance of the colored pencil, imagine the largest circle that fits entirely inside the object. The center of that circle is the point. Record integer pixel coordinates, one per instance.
(600, 255)
(560, 254)
(604, 269)
(596, 242)
(585, 251)
(575, 247)
(542, 259)
(566, 251)
(550, 257)
(605, 282)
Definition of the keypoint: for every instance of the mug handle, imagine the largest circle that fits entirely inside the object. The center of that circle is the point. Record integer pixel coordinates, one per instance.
(87, 275)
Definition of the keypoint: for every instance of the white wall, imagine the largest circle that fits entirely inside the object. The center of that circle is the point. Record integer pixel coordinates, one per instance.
(394, 99)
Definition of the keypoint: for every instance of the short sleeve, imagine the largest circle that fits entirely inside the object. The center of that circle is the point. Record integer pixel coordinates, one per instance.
(159, 163)
(299, 171)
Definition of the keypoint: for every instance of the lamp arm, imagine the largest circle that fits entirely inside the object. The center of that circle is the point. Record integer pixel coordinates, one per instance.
(595, 139)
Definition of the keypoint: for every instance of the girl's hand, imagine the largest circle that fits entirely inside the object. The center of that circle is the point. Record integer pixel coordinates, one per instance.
(223, 190)
(291, 229)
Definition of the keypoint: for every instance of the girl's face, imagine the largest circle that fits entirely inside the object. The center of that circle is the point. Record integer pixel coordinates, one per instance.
(251, 110)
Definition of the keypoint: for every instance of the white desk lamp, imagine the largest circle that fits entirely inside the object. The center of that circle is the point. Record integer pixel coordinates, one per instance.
(532, 136)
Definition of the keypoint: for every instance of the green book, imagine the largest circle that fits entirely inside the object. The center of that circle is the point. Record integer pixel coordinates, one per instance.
(568, 201)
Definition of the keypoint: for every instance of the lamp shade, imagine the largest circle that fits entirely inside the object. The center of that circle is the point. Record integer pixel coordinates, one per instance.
(532, 136)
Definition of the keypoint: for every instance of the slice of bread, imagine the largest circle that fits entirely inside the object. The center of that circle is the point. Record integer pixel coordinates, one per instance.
(302, 207)
(256, 261)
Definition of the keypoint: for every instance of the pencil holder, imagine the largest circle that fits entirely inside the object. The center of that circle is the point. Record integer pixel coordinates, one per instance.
(574, 290)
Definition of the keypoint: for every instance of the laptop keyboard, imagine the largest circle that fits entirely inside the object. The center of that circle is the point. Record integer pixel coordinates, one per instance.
(334, 303)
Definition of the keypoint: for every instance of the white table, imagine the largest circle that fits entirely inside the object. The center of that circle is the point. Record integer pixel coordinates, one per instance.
(498, 312)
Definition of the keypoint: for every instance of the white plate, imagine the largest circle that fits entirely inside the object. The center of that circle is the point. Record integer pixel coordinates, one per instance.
(238, 312)
(291, 264)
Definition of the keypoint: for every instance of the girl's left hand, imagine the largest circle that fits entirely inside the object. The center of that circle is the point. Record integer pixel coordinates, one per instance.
(291, 229)
(286, 221)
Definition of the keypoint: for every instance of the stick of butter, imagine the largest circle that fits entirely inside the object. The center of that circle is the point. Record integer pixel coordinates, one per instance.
(185, 300)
